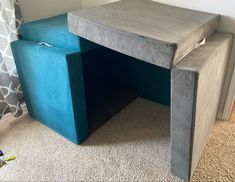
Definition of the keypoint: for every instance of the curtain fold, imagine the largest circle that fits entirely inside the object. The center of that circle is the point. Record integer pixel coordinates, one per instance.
(10, 89)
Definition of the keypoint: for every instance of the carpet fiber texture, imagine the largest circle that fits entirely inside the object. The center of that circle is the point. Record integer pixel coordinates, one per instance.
(133, 146)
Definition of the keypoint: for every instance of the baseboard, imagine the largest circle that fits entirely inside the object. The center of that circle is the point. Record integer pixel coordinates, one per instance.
(220, 116)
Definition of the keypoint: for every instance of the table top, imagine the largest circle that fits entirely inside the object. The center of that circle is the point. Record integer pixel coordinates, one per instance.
(157, 33)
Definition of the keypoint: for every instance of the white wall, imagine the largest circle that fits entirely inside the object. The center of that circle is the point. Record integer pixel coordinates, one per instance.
(37, 9)
(91, 3)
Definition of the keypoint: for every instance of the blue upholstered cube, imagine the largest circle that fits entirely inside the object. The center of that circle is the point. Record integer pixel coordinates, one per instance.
(49, 77)
(52, 76)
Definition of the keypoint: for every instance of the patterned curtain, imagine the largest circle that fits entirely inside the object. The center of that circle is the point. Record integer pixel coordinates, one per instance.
(10, 89)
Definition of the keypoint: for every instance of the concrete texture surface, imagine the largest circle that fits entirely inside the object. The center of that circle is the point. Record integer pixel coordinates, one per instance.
(149, 31)
(197, 82)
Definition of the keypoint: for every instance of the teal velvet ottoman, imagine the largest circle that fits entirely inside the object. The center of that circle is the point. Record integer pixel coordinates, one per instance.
(47, 83)
(48, 61)
(63, 85)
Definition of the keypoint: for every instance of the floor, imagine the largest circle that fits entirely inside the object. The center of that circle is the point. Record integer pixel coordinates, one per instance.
(133, 146)
(218, 160)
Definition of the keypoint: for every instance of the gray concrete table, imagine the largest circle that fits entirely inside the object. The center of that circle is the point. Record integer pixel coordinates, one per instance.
(149, 31)
(167, 36)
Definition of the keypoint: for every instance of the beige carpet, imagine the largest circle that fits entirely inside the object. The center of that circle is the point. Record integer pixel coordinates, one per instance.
(133, 146)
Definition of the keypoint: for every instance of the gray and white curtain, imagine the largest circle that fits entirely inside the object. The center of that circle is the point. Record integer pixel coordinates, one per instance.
(10, 88)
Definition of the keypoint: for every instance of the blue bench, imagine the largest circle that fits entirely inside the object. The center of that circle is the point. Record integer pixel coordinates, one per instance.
(48, 61)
